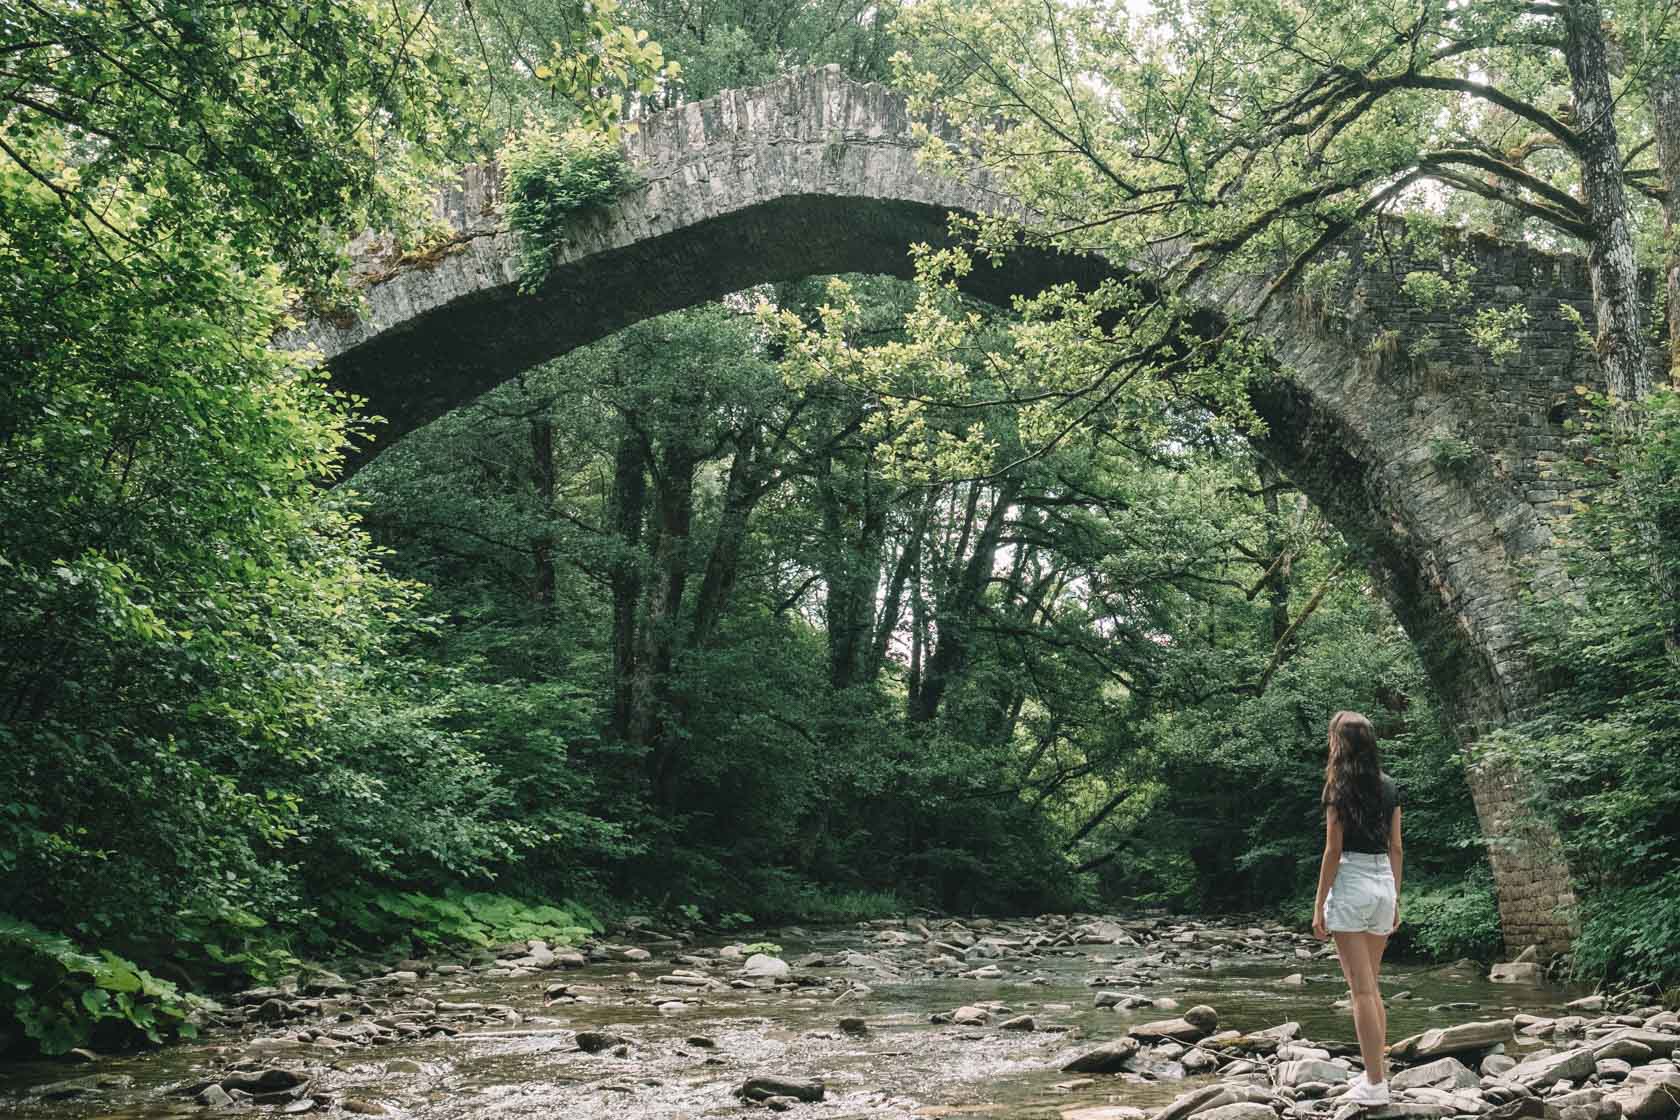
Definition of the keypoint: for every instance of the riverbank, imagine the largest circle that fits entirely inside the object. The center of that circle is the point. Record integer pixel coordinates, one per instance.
(886, 1018)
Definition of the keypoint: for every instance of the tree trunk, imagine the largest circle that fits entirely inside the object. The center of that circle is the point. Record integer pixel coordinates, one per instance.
(542, 543)
(657, 638)
(1665, 120)
(960, 602)
(893, 604)
(1610, 261)
(1615, 282)
(1277, 582)
(854, 525)
(740, 495)
(628, 505)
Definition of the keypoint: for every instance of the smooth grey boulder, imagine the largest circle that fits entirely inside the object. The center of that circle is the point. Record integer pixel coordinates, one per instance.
(1442, 1073)
(1242, 1110)
(1310, 1069)
(1196, 1023)
(1661, 1043)
(1212, 1098)
(1624, 1049)
(1463, 1038)
(1570, 1065)
(1653, 1099)
(765, 1086)
(1110, 1057)
(761, 965)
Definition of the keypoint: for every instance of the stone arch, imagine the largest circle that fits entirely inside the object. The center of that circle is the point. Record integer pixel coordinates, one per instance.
(1432, 457)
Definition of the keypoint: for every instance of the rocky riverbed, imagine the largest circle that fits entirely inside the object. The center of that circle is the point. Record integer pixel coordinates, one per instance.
(1058, 1017)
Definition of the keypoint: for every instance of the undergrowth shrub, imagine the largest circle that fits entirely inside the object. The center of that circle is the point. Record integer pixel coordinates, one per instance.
(1632, 934)
(1449, 920)
(457, 918)
(548, 178)
(60, 997)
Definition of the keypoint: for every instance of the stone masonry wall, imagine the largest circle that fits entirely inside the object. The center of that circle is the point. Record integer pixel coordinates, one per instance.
(1433, 456)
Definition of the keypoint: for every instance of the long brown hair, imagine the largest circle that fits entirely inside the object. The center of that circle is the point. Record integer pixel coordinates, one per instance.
(1353, 775)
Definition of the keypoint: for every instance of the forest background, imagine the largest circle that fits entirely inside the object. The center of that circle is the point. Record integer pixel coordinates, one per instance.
(802, 605)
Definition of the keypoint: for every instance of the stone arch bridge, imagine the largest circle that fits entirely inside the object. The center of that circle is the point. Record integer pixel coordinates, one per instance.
(1435, 458)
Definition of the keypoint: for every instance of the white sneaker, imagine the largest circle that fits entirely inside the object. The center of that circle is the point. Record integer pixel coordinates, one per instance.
(1365, 1093)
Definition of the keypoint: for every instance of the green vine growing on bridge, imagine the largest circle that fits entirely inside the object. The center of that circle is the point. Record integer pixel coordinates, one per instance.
(549, 178)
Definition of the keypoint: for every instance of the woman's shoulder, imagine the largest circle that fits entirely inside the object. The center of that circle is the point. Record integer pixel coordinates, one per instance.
(1390, 788)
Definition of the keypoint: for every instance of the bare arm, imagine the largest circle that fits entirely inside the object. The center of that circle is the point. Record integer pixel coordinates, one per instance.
(1327, 868)
(1395, 851)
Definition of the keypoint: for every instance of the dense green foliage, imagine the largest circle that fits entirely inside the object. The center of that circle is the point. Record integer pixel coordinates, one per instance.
(411, 920)
(828, 601)
(548, 180)
(1605, 743)
(63, 997)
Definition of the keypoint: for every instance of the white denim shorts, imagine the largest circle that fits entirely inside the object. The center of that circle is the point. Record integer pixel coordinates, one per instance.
(1361, 900)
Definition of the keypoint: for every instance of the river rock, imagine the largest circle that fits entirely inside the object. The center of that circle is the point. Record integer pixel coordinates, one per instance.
(1124, 1000)
(1294, 980)
(1019, 1023)
(765, 1086)
(1522, 1108)
(264, 1081)
(325, 983)
(761, 965)
(1105, 1112)
(1444, 1041)
(1199, 1061)
(1548, 1069)
(1209, 1097)
(971, 1016)
(1395, 1110)
(214, 1096)
(1516, 972)
(1661, 1043)
(854, 1024)
(1586, 1003)
(1110, 1057)
(1649, 1098)
(1310, 1069)
(78, 1087)
(1497, 1065)
(1296, 1051)
(1242, 1110)
(1442, 1073)
(1103, 933)
(1624, 1049)
(363, 1107)
(1196, 1023)
(593, 1042)
(273, 1011)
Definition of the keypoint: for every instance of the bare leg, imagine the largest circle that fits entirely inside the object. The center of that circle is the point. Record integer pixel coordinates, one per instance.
(1359, 954)
(1375, 944)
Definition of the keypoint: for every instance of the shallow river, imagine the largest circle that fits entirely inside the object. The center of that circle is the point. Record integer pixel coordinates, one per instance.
(527, 1064)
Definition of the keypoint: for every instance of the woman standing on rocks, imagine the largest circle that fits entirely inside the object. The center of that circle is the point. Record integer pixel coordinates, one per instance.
(1358, 899)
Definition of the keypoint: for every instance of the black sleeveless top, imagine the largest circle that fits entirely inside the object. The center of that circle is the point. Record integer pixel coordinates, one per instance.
(1373, 839)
